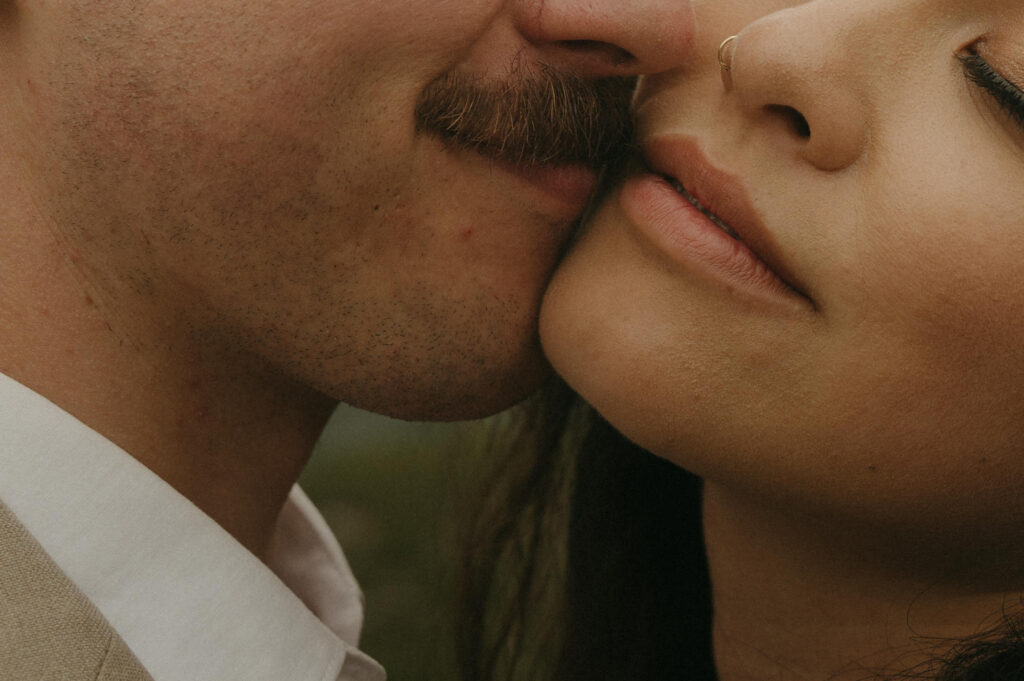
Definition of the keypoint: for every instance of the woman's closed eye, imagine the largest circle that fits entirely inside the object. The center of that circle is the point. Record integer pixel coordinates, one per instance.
(1009, 97)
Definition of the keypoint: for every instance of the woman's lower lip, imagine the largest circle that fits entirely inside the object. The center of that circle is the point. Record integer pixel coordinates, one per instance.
(675, 227)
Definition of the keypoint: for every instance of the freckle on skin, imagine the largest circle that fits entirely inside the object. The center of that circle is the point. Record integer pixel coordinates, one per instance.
(872, 468)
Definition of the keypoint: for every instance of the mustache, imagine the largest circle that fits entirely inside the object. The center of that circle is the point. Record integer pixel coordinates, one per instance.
(540, 117)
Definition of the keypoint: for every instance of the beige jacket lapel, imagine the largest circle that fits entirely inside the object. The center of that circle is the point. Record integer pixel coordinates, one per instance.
(49, 630)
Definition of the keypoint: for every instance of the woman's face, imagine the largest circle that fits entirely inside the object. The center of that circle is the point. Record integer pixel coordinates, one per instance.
(860, 351)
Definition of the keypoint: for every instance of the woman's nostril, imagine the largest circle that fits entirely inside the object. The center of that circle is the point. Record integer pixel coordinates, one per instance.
(796, 121)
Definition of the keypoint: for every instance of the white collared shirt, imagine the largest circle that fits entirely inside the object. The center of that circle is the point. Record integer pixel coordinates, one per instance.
(190, 601)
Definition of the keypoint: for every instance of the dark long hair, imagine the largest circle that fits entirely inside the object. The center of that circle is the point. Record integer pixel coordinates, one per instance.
(586, 563)
(587, 559)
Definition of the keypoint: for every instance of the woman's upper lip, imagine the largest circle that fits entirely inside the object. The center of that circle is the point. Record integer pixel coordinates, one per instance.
(682, 159)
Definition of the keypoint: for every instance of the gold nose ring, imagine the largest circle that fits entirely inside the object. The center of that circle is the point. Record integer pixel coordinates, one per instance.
(725, 54)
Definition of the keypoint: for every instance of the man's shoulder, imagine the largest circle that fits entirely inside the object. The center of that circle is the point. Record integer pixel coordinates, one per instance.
(48, 628)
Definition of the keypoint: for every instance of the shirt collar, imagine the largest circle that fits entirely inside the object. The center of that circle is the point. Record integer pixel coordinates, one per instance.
(190, 601)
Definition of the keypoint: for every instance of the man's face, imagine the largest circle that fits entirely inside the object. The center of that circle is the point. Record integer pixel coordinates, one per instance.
(270, 180)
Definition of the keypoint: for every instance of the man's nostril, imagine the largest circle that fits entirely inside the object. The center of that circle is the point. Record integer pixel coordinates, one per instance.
(613, 54)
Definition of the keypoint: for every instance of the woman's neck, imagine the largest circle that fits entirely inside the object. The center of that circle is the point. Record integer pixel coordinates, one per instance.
(801, 599)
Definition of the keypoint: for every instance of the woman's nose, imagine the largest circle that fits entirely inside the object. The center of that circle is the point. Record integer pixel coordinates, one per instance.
(609, 37)
(794, 74)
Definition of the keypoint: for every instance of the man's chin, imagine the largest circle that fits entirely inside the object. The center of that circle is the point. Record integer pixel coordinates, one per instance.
(461, 396)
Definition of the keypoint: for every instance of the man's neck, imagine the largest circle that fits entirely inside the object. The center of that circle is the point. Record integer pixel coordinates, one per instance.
(792, 602)
(230, 438)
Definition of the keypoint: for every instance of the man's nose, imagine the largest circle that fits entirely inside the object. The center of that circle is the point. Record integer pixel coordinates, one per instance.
(609, 37)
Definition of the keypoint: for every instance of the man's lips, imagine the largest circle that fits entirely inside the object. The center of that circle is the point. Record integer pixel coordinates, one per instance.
(733, 240)
(569, 185)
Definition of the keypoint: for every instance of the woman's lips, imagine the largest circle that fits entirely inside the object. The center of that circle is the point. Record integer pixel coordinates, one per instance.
(701, 217)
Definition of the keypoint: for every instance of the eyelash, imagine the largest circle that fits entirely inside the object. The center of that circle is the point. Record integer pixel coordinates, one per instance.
(1009, 97)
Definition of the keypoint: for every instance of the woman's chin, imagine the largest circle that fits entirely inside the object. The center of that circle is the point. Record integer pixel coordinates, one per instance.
(590, 333)
(572, 322)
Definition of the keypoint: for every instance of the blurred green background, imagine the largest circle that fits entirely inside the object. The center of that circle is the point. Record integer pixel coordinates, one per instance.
(393, 492)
